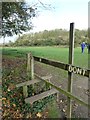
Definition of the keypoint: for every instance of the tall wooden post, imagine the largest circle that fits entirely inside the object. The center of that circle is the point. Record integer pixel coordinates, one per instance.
(71, 59)
(30, 72)
(28, 65)
(32, 66)
(25, 88)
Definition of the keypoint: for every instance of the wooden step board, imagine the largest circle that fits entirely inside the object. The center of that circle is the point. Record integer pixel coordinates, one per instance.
(46, 77)
(40, 96)
(30, 82)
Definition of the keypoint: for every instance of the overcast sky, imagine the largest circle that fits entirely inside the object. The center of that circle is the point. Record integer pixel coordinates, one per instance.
(63, 13)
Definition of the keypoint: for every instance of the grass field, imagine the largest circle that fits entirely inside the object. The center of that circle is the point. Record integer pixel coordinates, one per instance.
(55, 53)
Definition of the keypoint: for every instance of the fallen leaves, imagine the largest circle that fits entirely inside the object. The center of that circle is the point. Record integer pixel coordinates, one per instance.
(8, 90)
(29, 115)
(4, 98)
(11, 99)
(14, 105)
(11, 86)
(13, 102)
(39, 115)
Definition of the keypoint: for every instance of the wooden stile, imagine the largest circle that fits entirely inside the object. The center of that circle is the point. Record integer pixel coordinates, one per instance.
(55, 89)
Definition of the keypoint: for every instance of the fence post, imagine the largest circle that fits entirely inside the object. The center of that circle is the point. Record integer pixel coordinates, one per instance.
(32, 66)
(25, 89)
(70, 75)
(30, 72)
(28, 66)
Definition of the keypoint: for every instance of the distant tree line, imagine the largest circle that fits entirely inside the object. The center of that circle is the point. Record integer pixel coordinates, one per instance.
(50, 38)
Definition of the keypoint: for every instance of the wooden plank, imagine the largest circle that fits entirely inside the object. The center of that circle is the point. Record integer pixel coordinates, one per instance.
(40, 96)
(67, 67)
(33, 81)
(51, 62)
(70, 74)
(46, 77)
(30, 82)
(68, 94)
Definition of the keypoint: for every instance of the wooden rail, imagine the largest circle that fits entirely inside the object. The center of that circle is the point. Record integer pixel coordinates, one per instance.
(30, 82)
(61, 65)
(68, 94)
(27, 83)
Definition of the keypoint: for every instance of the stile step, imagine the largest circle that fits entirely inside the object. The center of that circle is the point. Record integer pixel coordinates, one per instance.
(44, 77)
(40, 96)
(30, 82)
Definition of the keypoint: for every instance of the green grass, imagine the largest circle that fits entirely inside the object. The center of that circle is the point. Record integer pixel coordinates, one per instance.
(54, 53)
(53, 110)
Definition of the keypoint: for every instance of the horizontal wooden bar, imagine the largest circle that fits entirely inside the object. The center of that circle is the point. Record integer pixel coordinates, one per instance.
(61, 65)
(47, 77)
(40, 96)
(30, 82)
(68, 94)
(26, 83)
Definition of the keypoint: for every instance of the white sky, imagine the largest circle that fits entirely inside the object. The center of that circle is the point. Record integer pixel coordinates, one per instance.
(64, 12)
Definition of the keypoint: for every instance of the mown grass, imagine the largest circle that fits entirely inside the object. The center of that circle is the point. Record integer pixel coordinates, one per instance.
(55, 53)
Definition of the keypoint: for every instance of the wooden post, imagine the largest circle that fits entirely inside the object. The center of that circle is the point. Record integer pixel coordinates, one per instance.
(32, 66)
(30, 72)
(70, 75)
(25, 93)
(25, 88)
(28, 65)
(32, 69)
